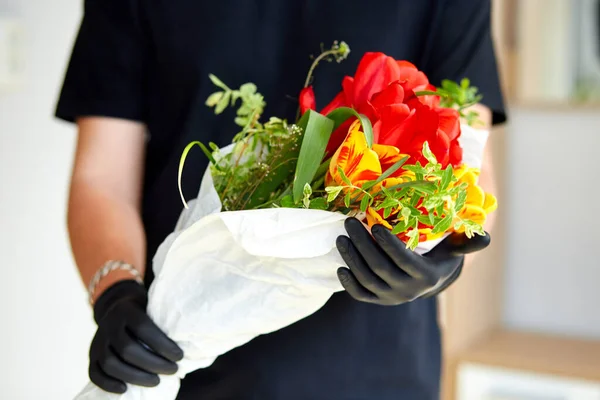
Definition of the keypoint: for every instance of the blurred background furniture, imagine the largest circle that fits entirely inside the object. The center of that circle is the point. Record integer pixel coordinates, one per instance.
(508, 334)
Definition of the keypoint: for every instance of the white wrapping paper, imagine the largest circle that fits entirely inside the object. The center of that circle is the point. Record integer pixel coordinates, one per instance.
(224, 278)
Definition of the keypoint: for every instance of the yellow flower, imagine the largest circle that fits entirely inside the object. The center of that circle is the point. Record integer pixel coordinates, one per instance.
(355, 158)
(361, 163)
(479, 203)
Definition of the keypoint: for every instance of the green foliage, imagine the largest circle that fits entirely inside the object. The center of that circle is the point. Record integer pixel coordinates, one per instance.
(342, 114)
(457, 96)
(316, 133)
(251, 107)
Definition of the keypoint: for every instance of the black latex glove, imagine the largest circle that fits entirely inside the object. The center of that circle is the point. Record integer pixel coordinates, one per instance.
(383, 271)
(128, 346)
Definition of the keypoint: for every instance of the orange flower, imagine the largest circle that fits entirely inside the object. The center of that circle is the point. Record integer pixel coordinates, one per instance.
(358, 162)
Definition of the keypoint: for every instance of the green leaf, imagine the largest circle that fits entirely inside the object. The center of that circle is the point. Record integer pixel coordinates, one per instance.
(368, 185)
(416, 169)
(348, 199)
(318, 204)
(365, 203)
(248, 89)
(426, 189)
(184, 155)
(223, 103)
(433, 202)
(443, 225)
(428, 154)
(387, 192)
(415, 200)
(472, 227)
(446, 177)
(460, 201)
(388, 202)
(424, 219)
(440, 209)
(450, 86)
(316, 133)
(213, 99)
(387, 212)
(333, 192)
(288, 202)
(217, 82)
(398, 228)
(413, 240)
(431, 219)
(344, 177)
(391, 170)
(428, 93)
(213, 146)
(406, 213)
(306, 191)
(323, 168)
(342, 114)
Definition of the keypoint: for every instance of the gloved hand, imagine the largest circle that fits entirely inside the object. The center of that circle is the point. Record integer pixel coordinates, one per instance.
(383, 271)
(128, 346)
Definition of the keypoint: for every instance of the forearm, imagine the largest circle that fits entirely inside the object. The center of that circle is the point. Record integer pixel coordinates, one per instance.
(104, 203)
(101, 228)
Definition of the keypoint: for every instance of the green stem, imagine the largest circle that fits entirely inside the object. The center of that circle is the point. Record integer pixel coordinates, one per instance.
(316, 62)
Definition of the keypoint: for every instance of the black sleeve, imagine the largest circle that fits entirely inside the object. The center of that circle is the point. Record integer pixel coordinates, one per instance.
(460, 45)
(106, 72)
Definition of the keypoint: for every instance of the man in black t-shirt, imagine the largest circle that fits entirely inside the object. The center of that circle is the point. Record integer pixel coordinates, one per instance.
(136, 85)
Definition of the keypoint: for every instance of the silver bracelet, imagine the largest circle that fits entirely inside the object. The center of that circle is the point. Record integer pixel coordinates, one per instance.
(106, 269)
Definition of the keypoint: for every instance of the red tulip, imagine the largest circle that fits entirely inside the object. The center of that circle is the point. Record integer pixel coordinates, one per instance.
(383, 89)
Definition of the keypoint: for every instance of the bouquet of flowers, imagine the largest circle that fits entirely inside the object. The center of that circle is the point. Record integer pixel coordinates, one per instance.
(255, 251)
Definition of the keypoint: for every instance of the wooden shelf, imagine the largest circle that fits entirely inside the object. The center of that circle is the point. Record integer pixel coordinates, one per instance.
(538, 353)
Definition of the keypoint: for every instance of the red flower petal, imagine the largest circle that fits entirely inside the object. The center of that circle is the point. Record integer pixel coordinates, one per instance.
(337, 102)
(338, 136)
(307, 100)
(411, 77)
(393, 94)
(393, 119)
(456, 154)
(375, 72)
(449, 122)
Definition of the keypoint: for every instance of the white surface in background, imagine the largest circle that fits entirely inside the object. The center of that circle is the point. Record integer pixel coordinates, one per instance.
(553, 263)
(45, 323)
(478, 382)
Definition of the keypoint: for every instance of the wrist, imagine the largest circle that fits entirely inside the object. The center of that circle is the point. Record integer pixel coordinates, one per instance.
(108, 275)
(113, 278)
(126, 289)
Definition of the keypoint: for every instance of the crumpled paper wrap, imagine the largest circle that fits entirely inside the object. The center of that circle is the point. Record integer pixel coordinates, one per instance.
(224, 278)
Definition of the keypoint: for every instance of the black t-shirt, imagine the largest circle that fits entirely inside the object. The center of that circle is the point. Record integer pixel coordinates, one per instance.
(149, 61)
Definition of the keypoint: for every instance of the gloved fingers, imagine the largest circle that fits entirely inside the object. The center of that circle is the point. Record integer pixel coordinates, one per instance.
(353, 287)
(133, 352)
(146, 330)
(406, 259)
(116, 368)
(445, 284)
(359, 267)
(105, 382)
(458, 244)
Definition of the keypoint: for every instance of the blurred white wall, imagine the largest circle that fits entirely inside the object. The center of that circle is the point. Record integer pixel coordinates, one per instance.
(553, 261)
(45, 323)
